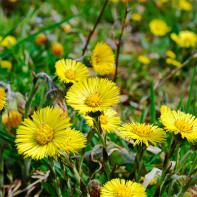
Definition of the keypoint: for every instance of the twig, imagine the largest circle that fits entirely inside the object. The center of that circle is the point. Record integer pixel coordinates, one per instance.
(120, 39)
(169, 76)
(97, 22)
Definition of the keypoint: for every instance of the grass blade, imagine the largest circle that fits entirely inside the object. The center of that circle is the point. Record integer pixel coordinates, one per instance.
(152, 100)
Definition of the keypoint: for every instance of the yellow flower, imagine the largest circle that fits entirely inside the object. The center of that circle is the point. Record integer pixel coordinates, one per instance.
(110, 121)
(74, 140)
(164, 109)
(173, 62)
(185, 5)
(142, 133)
(136, 17)
(102, 59)
(40, 39)
(92, 95)
(122, 188)
(185, 38)
(7, 41)
(159, 27)
(6, 64)
(179, 122)
(57, 49)
(170, 54)
(66, 27)
(114, 1)
(12, 119)
(70, 71)
(143, 59)
(2, 98)
(43, 134)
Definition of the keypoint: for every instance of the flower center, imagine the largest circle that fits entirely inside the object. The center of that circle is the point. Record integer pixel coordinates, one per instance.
(184, 126)
(44, 134)
(142, 130)
(94, 100)
(103, 119)
(123, 191)
(70, 74)
(97, 59)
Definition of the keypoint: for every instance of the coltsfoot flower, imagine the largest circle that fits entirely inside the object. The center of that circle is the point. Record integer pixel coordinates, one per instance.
(57, 49)
(109, 120)
(41, 39)
(136, 17)
(173, 62)
(7, 41)
(102, 59)
(122, 188)
(170, 54)
(66, 27)
(159, 27)
(143, 59)
(74, 141)
(142, 133)
(2, 98)
(6, 64)
(179, 122)
(92, 95)
(184, 5)
(70, 71)
(185, 38)
(43, 134)
(12, 119)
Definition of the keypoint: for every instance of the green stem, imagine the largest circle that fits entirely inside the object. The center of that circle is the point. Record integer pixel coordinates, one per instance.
(89, 137)
(139, 161)
(54, 178)
(102, 139)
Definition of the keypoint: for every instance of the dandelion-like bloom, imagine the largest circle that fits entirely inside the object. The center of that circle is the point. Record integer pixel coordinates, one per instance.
(185, 5)
(6, 64)
(164, 109)
(92, 95)
(109, 120)
(7, 41)
(12, 119)
(122, 188)
(142, 133)
(102, 59)
(74, 141)
(136, 17)
(170, 54)
(159, 27)
(40, 39)
(143, 59)
(179, 122)
(70, 71)
(2, 98)
(57, 49)
(185, 38)
(173, 62)
(43, 135)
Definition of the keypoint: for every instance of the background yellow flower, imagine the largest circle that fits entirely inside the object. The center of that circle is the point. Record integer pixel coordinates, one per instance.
(2, 98)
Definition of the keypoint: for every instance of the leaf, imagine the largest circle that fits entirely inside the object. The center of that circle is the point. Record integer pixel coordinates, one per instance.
(8, 138)
(48, 188)
(152, 99)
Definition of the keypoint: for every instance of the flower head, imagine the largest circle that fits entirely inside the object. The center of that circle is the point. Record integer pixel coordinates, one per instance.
(136, 17)
(159, 27)
(142, 133)
(143, 59)
(185, 38)
(43, 135)
(74, 141)
(2, 98)
(164, 109)
(92, 95)
(179, 122)
(6, 64)
(70, 71)
(7, 41)
(184, 5)
(57, 49)
(109, 120)
(40, 39)
(66, 27)
(122, 188)
(12, 119)
(173, 62)
(102, 59)
(170, 54)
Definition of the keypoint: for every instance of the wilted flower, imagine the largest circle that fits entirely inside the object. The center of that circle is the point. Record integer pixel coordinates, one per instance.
(57, 49)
